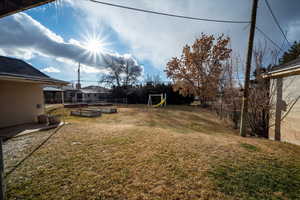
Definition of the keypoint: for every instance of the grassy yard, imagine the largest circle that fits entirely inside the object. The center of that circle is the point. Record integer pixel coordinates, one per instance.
(172, 153)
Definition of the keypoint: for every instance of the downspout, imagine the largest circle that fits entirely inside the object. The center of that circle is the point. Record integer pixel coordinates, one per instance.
(278, 111)
(63, 103)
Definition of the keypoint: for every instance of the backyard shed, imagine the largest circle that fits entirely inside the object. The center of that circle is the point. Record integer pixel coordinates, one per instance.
(285, 123)
(21, 90)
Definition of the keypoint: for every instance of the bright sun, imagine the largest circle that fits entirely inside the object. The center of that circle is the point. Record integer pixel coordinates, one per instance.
(94, 46)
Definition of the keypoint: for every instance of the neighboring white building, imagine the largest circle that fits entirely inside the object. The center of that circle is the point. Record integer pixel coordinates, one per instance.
(94, 93)
(21, 87)
(90, 94)
(285, 124)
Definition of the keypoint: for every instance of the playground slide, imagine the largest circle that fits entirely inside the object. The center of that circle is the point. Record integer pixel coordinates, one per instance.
(159, 104)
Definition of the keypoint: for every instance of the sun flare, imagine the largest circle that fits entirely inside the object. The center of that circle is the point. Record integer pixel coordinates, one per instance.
(94, 46)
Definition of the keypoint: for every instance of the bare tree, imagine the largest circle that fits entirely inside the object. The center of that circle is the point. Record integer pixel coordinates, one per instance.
(229, 102)
(153, 79)
(130, 72)
(123, 71)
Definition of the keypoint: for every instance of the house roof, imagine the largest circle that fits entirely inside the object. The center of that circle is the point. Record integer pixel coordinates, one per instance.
(85, 90)
(9, 7)
(89, 91)
(52, 89)
(69, 88)
(289, 69)
(18, 70)
(94, 89)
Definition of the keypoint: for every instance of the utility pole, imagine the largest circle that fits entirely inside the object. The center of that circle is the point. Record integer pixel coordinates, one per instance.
(78, 85)
(248, 70)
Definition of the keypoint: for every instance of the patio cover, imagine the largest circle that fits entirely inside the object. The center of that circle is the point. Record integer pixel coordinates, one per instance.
(9, 7)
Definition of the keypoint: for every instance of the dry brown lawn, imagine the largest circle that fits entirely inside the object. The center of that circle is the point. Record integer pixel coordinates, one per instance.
(173, 153)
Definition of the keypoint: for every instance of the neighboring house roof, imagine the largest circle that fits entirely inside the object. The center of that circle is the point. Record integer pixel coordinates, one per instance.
(95, 89)
(89, 91)
(18, 70)
(288, 69)
(69, 88)
(85, 90)
(52, 89)
(10, 7)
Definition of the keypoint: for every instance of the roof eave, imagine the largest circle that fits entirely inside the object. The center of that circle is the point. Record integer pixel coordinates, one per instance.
(283, 73)
(11, 11)
(34, 80)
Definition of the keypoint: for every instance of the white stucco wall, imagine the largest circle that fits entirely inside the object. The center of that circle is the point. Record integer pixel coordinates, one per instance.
(290, 125)
(20, 103)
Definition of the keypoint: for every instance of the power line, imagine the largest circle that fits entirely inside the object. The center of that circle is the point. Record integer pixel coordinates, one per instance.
(202, 19)
(268, 38)
(84, 81)
(277, 22)
(169, 14)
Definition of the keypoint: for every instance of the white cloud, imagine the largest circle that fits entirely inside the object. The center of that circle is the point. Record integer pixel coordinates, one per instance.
(93, 70)
(20, 53)
(42, 30)
(158, 38)
(75, 42)
(24, 37)
(51, 70)
(149, 37)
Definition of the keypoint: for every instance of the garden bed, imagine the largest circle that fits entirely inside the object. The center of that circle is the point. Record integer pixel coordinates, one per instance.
(75, 105)
(104, 110)
(100, 104)
(86, 113)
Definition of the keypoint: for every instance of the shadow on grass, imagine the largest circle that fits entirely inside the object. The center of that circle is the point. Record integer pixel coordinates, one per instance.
(264, 179)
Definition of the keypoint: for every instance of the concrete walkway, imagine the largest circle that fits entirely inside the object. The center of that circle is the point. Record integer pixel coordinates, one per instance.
(16, 131)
